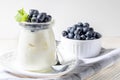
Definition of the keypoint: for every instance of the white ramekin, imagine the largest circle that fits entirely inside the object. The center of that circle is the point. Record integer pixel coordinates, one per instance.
(70, 49)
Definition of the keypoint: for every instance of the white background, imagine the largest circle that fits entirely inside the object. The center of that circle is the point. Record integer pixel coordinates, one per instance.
(103, 15)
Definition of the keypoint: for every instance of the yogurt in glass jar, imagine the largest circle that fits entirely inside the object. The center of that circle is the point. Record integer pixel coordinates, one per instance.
(36, 48)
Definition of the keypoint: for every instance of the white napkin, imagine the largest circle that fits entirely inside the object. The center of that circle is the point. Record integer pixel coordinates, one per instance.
(83, 69)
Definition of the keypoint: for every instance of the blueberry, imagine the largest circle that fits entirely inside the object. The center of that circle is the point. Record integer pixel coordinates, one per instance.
(83, 37)
(79, 28)
(33, 19)
(87, 38)
(33, 11)
(77, 37)
(70, 35)
(80, 24)
(78, 31)
(34, 15)
(48, 18)
(89, 34)
(86, 25)
(85, 29)
(98, 35)
(41, 17)
(36, 12)
(72, 29)
(91, 29)
(64, 33)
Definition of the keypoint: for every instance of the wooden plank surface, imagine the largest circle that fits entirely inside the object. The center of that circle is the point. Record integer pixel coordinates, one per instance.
(110, 73)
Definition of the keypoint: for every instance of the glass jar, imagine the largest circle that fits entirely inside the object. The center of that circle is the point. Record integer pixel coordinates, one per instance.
(36, 48)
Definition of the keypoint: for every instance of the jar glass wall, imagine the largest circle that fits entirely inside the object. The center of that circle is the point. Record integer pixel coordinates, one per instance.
(37, 48)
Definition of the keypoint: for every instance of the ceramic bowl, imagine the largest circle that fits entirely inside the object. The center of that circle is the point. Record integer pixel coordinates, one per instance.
(70, 49)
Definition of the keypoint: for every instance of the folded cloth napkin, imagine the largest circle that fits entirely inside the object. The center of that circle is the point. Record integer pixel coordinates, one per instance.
(82, 70)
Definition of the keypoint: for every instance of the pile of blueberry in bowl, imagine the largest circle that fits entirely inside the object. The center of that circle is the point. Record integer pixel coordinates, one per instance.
(81, 39)
(81, 31)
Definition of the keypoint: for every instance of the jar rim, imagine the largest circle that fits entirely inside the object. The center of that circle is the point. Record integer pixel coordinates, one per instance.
(34, 23)
(36, 26)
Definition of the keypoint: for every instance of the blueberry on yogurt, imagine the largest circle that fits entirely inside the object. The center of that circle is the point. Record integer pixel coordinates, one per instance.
(34, 16)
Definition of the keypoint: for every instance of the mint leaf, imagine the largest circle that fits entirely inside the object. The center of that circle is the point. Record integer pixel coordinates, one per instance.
(21, 16)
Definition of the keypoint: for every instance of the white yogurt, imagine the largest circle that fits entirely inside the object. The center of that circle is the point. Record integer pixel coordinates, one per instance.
(36, 50)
